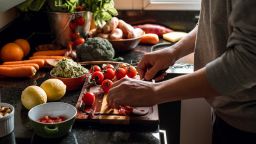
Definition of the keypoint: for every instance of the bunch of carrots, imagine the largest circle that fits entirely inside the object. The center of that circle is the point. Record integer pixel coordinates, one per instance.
(28, 68)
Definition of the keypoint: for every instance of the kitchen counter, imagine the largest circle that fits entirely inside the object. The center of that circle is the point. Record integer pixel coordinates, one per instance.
(81, 133)
(27, 26)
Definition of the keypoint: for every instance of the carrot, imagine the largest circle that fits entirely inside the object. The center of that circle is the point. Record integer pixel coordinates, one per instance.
(36, 66)
(40, 62)
(47, 57)
(50, 53)
(22, 71)
(149, 39)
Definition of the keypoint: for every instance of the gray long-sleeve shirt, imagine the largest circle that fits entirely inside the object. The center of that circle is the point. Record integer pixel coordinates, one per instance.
(226, 45)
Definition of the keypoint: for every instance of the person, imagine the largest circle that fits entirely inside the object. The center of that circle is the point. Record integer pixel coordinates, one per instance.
(224, 46)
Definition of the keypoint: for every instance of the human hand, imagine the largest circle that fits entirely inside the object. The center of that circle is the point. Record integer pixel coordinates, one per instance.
(132, 92)
(153, 62)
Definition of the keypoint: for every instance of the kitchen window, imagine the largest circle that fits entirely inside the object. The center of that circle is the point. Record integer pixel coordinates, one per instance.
(172, 4)
(158, 4)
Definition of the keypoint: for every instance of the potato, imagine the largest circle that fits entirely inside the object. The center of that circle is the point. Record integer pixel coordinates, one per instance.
(102, 35)
(116, 34)
(137, 32)
(126, 28)
(111, 25)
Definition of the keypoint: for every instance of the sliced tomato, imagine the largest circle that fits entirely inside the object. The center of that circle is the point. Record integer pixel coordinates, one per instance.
(51, 120)
(109, 73)
(120, 73)
(97, 77)
(88, 99)
(131, 71)
(106, 85)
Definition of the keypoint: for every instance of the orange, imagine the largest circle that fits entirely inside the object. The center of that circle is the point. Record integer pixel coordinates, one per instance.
(24, 44)
(11, 52)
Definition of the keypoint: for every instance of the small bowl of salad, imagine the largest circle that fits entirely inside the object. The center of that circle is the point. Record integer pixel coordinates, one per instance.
(53, 119)
(70, 72)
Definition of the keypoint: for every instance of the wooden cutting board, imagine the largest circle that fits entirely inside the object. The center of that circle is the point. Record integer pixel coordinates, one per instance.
(104, 115)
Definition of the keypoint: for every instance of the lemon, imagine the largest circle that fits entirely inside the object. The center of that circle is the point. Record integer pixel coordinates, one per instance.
(32, 96)
(54, 88)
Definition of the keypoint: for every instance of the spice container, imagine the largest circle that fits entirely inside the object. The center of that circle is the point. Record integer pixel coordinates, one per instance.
(6, 119)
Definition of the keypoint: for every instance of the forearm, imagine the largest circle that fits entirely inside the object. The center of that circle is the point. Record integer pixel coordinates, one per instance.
(186, 45)
(188, 86)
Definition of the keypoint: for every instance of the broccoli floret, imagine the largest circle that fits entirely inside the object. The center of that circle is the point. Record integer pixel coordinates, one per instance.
(95, 49)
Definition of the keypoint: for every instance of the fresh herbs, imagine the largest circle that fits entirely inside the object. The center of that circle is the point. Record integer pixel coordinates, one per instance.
(102, 10)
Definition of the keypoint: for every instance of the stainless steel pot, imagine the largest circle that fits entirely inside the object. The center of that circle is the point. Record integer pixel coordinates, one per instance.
(60, 25)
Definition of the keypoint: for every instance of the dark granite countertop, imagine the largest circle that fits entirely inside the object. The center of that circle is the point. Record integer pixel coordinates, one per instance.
(35, 28)
(11, 90)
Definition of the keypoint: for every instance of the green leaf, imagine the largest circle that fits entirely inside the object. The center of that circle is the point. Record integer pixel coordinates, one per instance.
(105, 16)
(112, 11)
(25, 5)
(36, 5)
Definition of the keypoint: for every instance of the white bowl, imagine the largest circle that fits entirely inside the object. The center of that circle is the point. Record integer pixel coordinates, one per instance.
(7, 122)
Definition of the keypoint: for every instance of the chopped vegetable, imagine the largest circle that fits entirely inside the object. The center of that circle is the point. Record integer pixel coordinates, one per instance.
(67, 68)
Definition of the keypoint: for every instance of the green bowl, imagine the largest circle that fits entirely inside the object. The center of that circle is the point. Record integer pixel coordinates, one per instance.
(52, 109)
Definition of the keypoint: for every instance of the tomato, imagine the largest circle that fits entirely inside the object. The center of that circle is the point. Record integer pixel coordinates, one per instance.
(79, 8)
(108, 66)
(72, 26)
(79, 41)
(95, 68)
(75, 35)
(98, 77)
(106, 85)
(80, 21)
(131, 71)
(123, 65)
(88, 98)
(51, 120)
(120, 73)
(109, 73)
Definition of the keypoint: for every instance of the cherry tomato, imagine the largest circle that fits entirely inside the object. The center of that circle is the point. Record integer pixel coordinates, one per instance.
(109, 73)
(98, 77)
(123, 65)
(80, 21)
(72, 26)
(106, 85)
(79, 41)
(75, 35)
(120, 73)
(88, 98)
(79, 8)
(108, 66)
(131, 71)
(95, 68)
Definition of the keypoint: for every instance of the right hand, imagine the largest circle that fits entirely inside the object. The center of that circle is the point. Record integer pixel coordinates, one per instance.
(155, 61)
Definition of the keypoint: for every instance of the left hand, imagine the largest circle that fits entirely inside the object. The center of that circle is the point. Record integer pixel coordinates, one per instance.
(132, 92)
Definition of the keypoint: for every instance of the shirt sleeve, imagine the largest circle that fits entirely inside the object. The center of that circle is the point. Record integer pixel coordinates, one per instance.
(235, 69)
